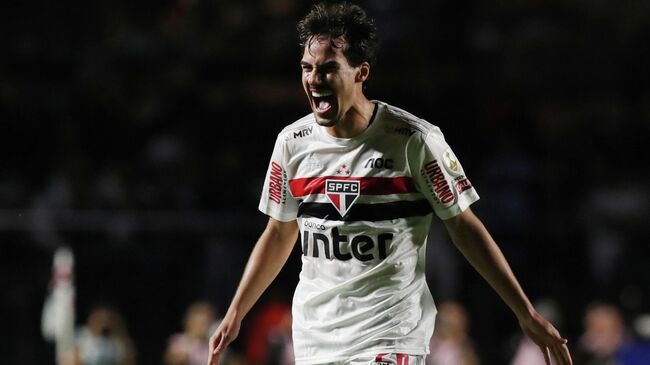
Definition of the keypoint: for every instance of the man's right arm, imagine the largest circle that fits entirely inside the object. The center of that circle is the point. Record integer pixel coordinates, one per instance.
(269, 255)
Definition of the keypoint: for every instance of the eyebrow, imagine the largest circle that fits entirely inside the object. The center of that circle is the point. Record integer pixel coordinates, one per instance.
(324, 65)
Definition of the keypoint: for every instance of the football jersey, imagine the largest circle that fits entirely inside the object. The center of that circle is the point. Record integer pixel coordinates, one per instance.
(364, 206)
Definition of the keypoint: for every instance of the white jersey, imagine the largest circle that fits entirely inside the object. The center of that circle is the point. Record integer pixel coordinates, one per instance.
(364, 206)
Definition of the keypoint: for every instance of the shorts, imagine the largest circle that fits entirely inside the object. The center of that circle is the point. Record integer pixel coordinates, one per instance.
(382, 359)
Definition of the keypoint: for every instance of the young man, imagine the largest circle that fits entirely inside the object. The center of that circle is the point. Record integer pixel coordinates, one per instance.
(359, 180)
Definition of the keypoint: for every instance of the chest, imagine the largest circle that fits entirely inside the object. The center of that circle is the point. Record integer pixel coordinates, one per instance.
(365, 160)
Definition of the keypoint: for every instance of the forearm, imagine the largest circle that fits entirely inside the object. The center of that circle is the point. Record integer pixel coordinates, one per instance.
(267, 259)
(475, 243)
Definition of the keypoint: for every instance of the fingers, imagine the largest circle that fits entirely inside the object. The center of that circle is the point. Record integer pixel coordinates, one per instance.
(221, 345)
(549, 340)
(211, 355)
(561, 355)
(218, 343)
(214, 354)
(213, 359)
(557, 357)
(547, 356)
(559, 350)
(214, 340)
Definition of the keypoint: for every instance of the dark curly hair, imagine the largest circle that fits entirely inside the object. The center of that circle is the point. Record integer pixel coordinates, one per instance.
(342, 19)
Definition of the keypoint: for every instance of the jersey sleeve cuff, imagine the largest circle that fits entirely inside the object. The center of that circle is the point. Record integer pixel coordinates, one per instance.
(282, 217)
(464, 201)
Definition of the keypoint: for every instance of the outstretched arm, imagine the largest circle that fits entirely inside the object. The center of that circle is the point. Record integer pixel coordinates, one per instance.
(269, 255)
(474, 241)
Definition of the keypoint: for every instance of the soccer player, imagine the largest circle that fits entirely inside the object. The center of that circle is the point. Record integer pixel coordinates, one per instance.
(359, 181)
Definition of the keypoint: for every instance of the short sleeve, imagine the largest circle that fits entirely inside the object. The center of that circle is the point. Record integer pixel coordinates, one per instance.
(277, 201)
(438, 174)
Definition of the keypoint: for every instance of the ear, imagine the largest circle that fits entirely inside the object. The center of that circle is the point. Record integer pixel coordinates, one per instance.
(364, 72)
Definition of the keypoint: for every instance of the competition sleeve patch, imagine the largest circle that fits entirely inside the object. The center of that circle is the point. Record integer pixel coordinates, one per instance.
(462, 184)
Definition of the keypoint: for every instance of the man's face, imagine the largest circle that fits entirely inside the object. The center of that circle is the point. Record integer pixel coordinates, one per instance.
(331, 84)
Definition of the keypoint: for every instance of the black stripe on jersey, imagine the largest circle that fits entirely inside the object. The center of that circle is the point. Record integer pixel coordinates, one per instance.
(367, 212)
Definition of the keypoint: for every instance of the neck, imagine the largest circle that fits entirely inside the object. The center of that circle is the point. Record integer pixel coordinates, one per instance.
(355, 121)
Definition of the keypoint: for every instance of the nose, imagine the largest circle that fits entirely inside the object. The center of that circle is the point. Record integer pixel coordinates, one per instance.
(314, 78)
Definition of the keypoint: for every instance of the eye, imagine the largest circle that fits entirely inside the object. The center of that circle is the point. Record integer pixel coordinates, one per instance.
(329, 69)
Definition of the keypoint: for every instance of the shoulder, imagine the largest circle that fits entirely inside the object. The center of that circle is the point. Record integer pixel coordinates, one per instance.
(400, 121)
(302, 127)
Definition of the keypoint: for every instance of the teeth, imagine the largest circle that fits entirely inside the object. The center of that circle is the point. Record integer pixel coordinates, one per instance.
(320, 94)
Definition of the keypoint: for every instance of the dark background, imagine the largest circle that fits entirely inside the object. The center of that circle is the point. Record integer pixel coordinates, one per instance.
(138, 133)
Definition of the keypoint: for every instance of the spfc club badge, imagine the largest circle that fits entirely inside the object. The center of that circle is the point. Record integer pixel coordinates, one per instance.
(342, 193)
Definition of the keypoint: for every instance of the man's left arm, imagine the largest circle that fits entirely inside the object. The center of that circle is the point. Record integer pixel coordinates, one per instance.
(475, 243)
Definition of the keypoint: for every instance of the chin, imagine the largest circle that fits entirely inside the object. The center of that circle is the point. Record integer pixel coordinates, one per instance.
(326, 122)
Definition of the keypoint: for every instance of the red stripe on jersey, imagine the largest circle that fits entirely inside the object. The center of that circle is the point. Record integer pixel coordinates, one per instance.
(402, 359)
(369, 185)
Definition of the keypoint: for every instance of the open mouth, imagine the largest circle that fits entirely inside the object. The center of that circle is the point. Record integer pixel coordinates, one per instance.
(323, 100)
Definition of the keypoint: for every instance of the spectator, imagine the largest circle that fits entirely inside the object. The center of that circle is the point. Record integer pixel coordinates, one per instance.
(280, 344)
(104, 340)
(191, 346)
(267, 339)
(450, 344)
(603, 337)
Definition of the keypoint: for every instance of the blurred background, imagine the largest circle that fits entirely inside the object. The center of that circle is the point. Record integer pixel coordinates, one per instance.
(138, 134)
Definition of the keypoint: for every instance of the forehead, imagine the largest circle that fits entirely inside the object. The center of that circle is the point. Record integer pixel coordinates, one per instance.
(320, 48)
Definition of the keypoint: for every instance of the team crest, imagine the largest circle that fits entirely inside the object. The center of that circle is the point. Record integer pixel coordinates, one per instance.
(342, 193)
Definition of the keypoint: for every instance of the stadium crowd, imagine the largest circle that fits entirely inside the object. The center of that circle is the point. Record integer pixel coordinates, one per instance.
(138, 134)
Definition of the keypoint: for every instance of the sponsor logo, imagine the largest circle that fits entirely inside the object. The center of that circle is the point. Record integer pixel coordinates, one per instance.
(451, 162)
(462, 183)
(276, 184)
(303, 132)
(438, 182)
(343, 247)
(314, 225)
(404, 131)
(380, 163)
(342, 193)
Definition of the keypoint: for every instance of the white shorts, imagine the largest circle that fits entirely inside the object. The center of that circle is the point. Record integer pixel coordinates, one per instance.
(382, 359)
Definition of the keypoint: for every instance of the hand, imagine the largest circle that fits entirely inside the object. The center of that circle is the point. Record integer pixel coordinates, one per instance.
(547, 338)
(222, 336)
